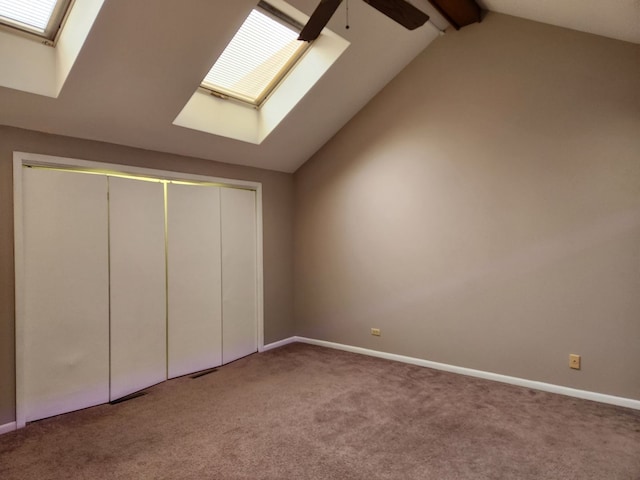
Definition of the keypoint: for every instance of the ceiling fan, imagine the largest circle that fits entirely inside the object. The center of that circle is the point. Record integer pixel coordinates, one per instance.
(399, 10)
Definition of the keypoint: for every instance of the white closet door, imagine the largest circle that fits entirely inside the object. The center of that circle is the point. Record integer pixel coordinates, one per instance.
(239, 284)
(138, 285)
(195, 307)
(65, 354)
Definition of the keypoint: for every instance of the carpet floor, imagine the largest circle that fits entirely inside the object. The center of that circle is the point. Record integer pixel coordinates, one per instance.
(306, 412)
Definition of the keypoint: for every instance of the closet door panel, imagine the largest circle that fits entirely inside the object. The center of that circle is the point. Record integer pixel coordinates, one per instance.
(138, 285)
(194, 279)
(65, 354)
(239, 309)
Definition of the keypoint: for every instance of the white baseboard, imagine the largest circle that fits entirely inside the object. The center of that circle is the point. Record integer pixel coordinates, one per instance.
(522, 382)
(279, 343)
(8, 427)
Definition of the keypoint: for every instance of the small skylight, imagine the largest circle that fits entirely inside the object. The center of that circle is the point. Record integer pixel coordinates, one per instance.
(38, 17)
(258, 57)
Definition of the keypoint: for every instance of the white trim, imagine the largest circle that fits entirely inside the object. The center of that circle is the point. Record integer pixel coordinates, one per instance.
(18, 248)
(496, 377)
(259, 271)
(8, 427)
(36, 159)
(22, 158)
(280, 343)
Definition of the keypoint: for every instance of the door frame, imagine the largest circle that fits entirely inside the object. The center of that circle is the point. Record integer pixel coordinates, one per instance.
(22, 159)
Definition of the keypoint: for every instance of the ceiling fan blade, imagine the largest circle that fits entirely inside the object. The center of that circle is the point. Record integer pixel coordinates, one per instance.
(319, 19)
(401, 11)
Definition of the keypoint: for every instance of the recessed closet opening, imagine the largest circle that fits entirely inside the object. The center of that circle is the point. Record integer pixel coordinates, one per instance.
(126, 277)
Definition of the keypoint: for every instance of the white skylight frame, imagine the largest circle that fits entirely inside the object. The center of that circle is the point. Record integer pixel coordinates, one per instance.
(39, 19)
(35, 67)
(207, 113)
(267, 36)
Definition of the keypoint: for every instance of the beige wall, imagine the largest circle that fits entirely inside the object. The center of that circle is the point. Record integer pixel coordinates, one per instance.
(484, 210)
(277, 225)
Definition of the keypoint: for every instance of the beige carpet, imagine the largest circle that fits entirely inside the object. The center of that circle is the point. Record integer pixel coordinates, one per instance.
(305, 412)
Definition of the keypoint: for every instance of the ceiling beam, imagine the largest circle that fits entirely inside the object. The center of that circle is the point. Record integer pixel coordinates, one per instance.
(458, 13)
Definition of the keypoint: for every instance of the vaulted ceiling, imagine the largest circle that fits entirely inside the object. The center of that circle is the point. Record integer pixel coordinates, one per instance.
(143, 60)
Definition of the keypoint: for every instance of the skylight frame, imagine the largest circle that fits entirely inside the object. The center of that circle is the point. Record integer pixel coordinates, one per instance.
(282, 18)
(50, 34)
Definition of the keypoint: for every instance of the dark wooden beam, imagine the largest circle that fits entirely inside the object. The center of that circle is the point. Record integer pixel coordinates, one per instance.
(458, 13)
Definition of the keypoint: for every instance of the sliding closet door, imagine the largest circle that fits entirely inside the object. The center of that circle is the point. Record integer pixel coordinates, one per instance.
(65, 350)
(239, 284)
(194, 279)
(138, 285)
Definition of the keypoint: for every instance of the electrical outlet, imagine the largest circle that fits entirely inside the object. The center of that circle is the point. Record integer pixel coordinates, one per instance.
(574, 361)
(376, 332)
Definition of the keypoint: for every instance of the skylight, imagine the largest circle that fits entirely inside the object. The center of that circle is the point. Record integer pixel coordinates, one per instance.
(258, 57)
(38, 17)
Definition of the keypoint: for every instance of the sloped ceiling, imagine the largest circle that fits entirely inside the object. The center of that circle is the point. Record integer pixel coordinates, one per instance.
(143, 60)
(619, 19)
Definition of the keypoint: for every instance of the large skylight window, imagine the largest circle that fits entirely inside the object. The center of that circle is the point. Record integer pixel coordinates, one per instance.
(38, 17)
(258, 57)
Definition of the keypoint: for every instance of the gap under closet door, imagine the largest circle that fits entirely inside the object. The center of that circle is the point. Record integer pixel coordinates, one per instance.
(239, 273)
(194, 279)
(138, 285)
(65, 349)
